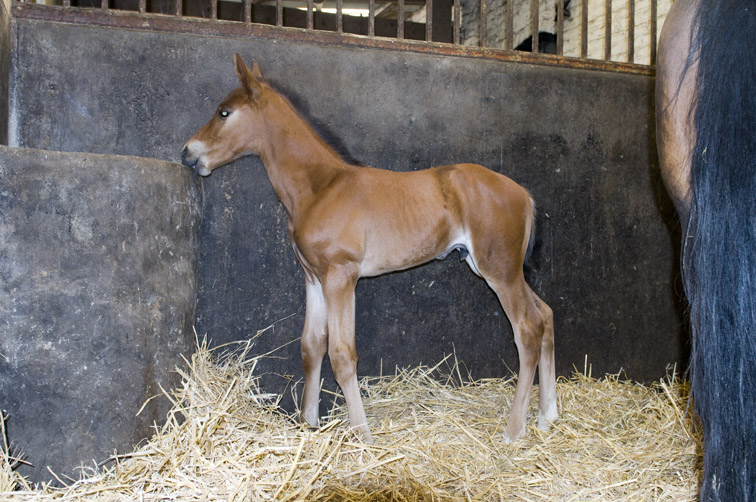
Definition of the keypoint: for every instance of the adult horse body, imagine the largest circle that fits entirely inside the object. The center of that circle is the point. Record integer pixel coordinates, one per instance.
(706, 135)
(347, 222)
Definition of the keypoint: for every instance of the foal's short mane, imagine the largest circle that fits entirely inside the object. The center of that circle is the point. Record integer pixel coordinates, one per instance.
(330, 138)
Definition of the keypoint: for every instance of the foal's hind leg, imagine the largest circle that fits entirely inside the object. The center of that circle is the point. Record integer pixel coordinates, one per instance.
(547, 406)
(314, 345)
(529, 327)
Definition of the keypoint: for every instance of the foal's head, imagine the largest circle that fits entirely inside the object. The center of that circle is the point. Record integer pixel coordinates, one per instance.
(235, 129)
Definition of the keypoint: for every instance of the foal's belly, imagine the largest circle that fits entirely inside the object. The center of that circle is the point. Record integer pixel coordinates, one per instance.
(398, 255)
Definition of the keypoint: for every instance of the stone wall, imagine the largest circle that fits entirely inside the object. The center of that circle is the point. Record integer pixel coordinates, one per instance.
(98, 280)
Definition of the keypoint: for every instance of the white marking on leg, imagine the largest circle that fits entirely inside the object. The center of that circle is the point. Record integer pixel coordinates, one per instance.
(313, 340)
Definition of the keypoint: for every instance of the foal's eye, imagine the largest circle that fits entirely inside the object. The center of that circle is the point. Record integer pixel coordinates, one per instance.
(223, 113)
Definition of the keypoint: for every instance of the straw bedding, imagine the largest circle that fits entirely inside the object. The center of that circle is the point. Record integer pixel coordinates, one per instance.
(438, 436)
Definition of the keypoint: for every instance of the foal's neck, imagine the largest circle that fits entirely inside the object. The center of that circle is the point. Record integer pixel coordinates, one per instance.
(299, 163)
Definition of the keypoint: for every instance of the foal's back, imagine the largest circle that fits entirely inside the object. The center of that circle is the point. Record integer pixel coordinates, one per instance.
(389, 221)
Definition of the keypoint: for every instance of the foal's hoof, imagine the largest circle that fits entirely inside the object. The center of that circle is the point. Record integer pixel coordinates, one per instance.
(307, 423)
(546, 419)
(510, 437)
(363, 435)
(366, 438)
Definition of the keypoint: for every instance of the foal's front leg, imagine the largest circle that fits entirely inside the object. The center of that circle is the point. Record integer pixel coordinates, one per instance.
(314, 346)
(338, 287)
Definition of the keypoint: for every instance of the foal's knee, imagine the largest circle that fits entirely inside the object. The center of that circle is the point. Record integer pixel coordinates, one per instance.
(529, 337)
(313, 350)
(547, 315)
(343, 363)
(547, 321)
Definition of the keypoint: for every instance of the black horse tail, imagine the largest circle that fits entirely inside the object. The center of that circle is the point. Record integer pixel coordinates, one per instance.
(719, 253)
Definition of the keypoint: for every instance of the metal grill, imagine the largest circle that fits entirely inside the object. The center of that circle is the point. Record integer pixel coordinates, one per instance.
(602, 34)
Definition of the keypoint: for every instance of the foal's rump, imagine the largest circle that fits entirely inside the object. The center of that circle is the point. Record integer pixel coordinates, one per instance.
(498, 216)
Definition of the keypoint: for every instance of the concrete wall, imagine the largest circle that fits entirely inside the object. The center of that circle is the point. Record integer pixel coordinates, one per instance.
(581, 141)
(97, 297)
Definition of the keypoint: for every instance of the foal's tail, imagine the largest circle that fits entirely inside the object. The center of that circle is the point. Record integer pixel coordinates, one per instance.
(527, 265)
(719, 253)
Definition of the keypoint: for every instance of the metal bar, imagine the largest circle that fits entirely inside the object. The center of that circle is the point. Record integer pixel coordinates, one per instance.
(509, 42)
(428, 20)
(534, 21)
(560, 27)
(483, 25)
(457, 21)
(213, 9)
(340, 16)
(400, 21)
(170, 24)
(631, 31)
(104, 4)
(371, 18)
(442, 28)
(608, 30)
(179, 8)
(66, 3)
(142, 6)
(652, 33)
(247, 11)
(310, 19)
(279, 12)
(584, 29)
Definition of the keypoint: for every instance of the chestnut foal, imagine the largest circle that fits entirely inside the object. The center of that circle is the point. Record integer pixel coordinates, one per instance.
(347, 222)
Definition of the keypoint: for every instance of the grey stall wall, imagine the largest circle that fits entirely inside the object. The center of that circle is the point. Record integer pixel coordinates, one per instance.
(581, 141)
(97, 297)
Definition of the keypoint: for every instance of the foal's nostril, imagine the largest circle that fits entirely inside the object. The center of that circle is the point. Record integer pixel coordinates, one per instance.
(187, 159)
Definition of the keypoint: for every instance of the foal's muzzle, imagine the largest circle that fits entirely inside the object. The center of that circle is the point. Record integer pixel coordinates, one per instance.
(188, 159)
(193, 162)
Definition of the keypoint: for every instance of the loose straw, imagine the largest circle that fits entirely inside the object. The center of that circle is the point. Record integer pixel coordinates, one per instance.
(437, 438)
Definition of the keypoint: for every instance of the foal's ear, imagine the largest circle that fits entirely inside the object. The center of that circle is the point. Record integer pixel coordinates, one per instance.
(256, 71)
(249, 79)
